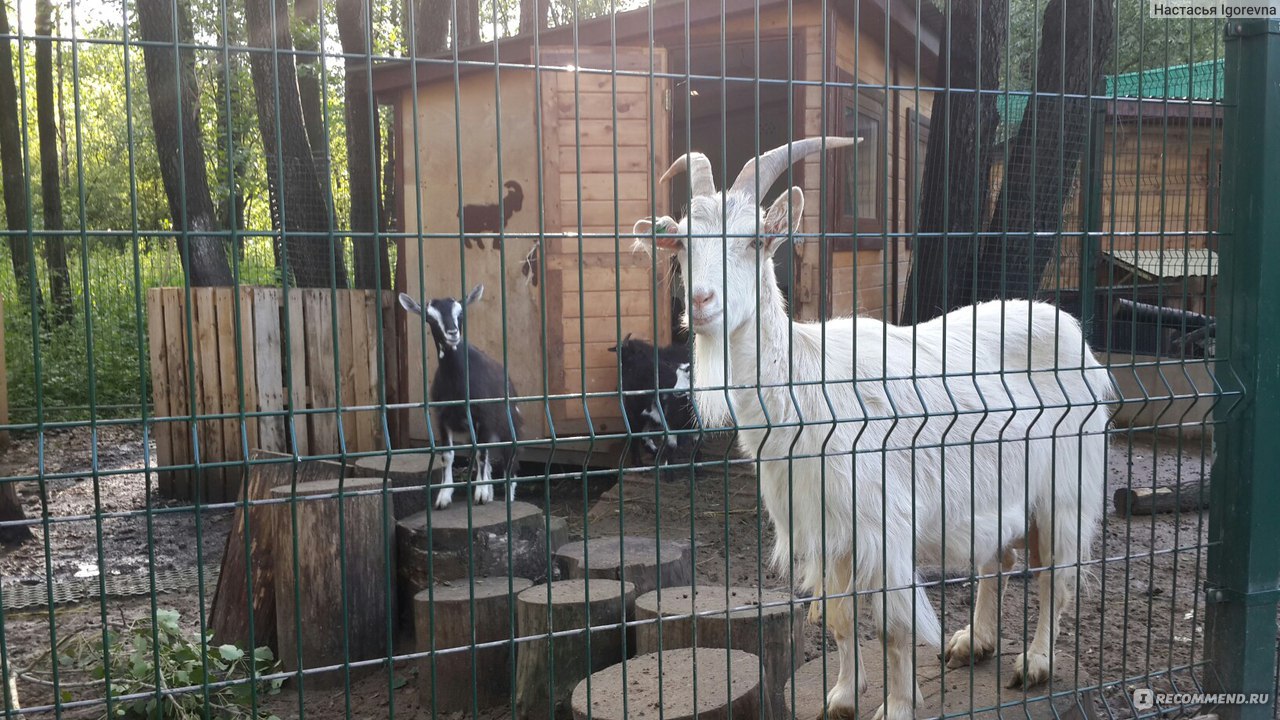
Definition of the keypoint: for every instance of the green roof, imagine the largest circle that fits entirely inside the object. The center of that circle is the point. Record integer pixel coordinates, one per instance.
(1195, 81)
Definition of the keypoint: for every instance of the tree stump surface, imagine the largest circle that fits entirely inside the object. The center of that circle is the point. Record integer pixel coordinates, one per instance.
(411, 475)
(766, 623)
(563, 606)
(727, 686)
(324, 551)
(488, 608)
(641, 560)
(478, 544)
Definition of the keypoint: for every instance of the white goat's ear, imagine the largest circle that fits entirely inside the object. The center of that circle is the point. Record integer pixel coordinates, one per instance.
(665, 228)
(782, 218)
(410, 304)
(475, 295)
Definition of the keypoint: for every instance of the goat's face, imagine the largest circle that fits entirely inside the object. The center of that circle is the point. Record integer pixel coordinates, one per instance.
(444, 316)
(725, 245)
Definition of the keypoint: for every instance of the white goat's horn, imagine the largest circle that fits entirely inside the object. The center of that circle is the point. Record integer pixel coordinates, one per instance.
(773, 163)
(699, 167)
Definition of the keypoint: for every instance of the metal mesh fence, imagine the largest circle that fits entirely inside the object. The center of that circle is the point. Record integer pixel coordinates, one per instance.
(560, 359)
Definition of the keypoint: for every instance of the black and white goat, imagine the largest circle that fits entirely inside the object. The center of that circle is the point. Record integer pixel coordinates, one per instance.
(644, 404)
(466, 374)
(883, 447)
(492, 217)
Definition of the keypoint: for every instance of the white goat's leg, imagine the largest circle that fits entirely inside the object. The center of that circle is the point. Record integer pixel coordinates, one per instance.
(841, 619)
(902, 695)
(445, 496)
(977, 641)
(1055, 591)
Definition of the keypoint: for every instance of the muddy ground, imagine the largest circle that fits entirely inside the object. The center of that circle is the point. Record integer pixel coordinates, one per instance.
(1139, 625)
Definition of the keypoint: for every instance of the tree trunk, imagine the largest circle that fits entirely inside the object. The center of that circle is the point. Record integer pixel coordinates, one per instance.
(533, 15)
(297, 199)
(1044, 155)
(231, 141)
(306, 22)
(428, 25)
(15, 188)
(175, 119)
(55, 250)
(956, 186)
(468, 23)
(362, 148)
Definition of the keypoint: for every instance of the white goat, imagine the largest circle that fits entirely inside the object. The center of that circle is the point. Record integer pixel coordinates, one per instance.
(881, 447)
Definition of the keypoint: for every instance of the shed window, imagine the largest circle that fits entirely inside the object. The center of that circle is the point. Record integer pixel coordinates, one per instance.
(860, 176)
(863, 179)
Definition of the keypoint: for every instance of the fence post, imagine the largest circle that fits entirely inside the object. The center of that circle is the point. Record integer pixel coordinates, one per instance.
(1243, 574)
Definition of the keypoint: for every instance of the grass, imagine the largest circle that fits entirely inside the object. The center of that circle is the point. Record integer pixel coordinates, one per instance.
(95, 368)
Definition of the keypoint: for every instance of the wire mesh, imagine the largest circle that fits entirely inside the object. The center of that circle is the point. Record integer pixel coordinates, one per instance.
(367, 359)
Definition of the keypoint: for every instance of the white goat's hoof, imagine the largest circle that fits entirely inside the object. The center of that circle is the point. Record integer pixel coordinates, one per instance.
(1029, 670)
(962, 649)
(840, 697)
(444, 498)
(894, 709)
(837, 712)
(483, 494)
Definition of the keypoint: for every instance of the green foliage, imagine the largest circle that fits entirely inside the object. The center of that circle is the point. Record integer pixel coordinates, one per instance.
(143, 657)
(107, 351)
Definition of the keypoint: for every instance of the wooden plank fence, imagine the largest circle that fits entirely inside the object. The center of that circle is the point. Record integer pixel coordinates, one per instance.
(264, 366)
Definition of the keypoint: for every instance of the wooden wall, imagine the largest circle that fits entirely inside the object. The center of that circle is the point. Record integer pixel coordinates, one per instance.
(598, 164)
(432, 264)
(862, 281)
(606, 139)
(249, 363)
(1157, 191)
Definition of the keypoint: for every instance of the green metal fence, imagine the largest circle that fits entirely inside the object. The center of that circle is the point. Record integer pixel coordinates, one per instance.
(247, 351)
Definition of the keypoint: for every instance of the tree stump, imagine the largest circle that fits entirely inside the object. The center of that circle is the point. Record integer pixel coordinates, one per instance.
(479, 540)
(608, 602)
(229, 611)
(410, 475)
(325, 552)
(764, 623)
(640, 560)
(494, 605)
(727, 686)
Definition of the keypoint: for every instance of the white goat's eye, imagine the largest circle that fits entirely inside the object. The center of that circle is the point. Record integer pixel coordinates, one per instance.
(754, 244)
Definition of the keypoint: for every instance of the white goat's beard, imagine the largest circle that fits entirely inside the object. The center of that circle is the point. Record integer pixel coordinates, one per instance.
(711, 377)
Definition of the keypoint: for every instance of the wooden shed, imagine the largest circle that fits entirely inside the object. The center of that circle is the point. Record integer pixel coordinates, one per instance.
(1159, 162)
(573, 133)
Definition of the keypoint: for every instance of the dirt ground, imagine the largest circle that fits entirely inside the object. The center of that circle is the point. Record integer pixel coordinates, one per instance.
(1139, 625)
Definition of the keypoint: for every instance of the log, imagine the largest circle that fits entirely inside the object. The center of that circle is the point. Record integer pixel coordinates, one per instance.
(1188, 496)
(478, 540)
(329, 559)
(765, 623)
(565, 605)
(485, 609)
(229, 612)
(640, 560)
(410, 475)
(727, 687)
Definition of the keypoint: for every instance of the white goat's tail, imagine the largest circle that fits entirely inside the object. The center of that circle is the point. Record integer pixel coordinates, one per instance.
(928, 628)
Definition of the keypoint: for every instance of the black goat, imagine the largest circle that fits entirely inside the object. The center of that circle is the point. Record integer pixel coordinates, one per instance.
(644, 405)
(466, 374)
(493, 217)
